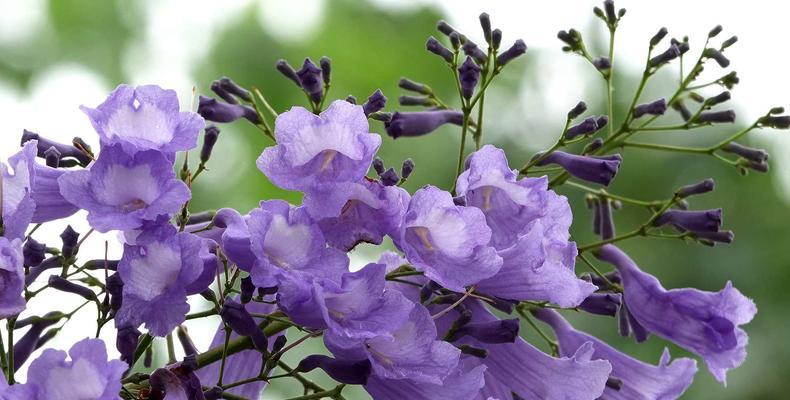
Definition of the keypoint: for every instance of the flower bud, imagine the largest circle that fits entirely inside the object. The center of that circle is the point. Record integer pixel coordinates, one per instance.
(378, 165)
(455, 40)
(592, 146)
(64, 285)
(351, 99)
(473, 351)
(718, 99)
(26, 345)
(716, 55)
(658, 37)
(126, 342)
(496, 38)
(186, 341)
(729, 42)
(607, 221)
(247, 290)
(65, 150)
(694, 221)
(33, 252)
(410, 85)
(406, 168)
(421, 122)
(445, 28)
(288, 71)
(729, 80)
(602, 63)
(114, 286)
(517, 49)
(240, 321)
(751, 154)
(608, 6)
(70, 238)
(415, 101)
(471, 50)
(715, 31)
(217, 88)
(600, 169)
(778, 122)
(657, 107)
(233, 88)
(716, 117)
(437, 48)
(589, 125)
(668, 55)
(326, 69)
(375, 102)
(468, 76)
(601, 304)
(485, 24)
(577, 110)
(680, 107)
(701, 187)
(720, 237)
(310, 80)
(212, 110)
(210, 136)
(52, 157)
(389, 177)
(348, 372)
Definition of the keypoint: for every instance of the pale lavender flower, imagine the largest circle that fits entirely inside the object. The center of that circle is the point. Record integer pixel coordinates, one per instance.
(88, 375)
(122, 191)
(449, 243)
(640, 380)
(336, 146)
(12, 278)
(705, 323)
(18, 204)
(158, 275)
(143, 118)
(463, 382)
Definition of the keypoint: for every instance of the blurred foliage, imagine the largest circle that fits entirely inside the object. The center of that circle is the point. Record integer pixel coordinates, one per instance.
(372, 49)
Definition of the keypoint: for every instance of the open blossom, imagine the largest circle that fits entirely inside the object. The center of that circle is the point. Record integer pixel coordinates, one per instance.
(12, 278)
(335, 146)
(705, 323)
(355, 212)
(143, 118)
(87, 375)
(158, 275)
(638, 380)
(122, 191)
(463, 382)
(285, 239)
(18, 204)
(448, 242)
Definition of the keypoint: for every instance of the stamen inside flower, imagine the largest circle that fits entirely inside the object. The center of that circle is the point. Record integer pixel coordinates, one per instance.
(329, 155)
(133, 205)
(487, 198)
(422, 233)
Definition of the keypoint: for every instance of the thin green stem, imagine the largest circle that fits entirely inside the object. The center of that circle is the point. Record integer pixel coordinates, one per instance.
(10, 359)
(595, 269)
(555, 348)
(612, 196)
(171, 350)
(224, 355)
(321, 395)
(663, 147)
(610, 83)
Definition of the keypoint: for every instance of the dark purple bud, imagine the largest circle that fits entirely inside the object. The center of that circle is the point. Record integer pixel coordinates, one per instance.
(506, 306)
(601, 304)
(247, 290)
(596, 213)
(701, 187)
(657, 107)
(485, 24)
(751, 154)
(405, 100)
(602, 63)
(26, 345)
(718, 99)
(348, 372)
(455, 40)
(210, 136)
(589, 125)
(310, 80)
(778, 122)
(668, 55)
(459, 201)
(502, 331)
(408, 84)
(217, 88)
(279, 343)
(721, 236)
(577, 110)
(598, 169)
(592, 146)
(658, 37)
(473, 351)
(375, 103)
(421, 122)
(214, 393)
(378, 165)
(44, 144)
(759, 166)
(126, 342)
(608, 7)
(607, 221)
(33, 252)
(34, 272)
(517, 49)
(683, 47)
(716, 117)
(407, 168)
(114, 286)
(233, 88)
(715, 31)
(445, 28)
(471, 50)
(720, 59)
(437, 48)
(695, 221)
(602, 121)
(496, 38)
(52, 157)
(351, 99)
(680, 107)
(288, 71)
(326, 69)
(614, 383)
(426, 291)
(622, 321)
(185, 340)
(70, 238)
(729, 42)
(240, 321)
(468, 76)
(729, 80)
(389, 177)
(213, 110)
(64, 285)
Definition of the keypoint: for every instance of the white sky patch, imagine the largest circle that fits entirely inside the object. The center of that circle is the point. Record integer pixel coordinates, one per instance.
(291, 20)
(21, 19)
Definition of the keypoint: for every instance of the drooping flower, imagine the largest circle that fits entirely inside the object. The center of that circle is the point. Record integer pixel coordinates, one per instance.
(351, 213)
(449, 243)
(597, 169)
(286, 239)
(122, 191)
(705, 323)
(17, 201)
(145, 118)
(335, 146)
(639, 380)
(12, 278)
(158, 275)
(463, 382)
(88, 375)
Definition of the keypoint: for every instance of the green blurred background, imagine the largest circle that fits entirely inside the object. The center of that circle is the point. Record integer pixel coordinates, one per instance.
(103, 43)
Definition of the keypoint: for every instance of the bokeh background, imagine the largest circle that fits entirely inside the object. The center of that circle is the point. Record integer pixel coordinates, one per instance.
(58, 54)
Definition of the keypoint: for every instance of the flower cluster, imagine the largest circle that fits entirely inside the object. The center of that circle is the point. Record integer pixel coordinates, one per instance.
(418, 323)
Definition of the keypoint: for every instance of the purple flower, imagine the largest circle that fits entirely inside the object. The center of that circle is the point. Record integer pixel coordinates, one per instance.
(335, 146)
(143, 118)
(122, 191)
(657, 107)
(639, 380)
(310, 80)
(12, 278)
(597, 169)
(50, 204)
(420, 123)
(18, 204)
(463, 382)
(695, 221)
(284, 238)
(449, 243)
(705, 323)
(213, 110)
(88, 375)
(469, 76)
(351, 213)
(158, 275)
(42, 188)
